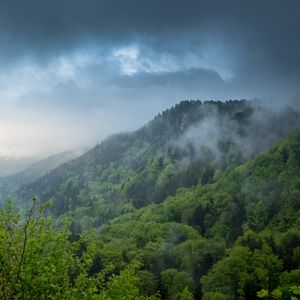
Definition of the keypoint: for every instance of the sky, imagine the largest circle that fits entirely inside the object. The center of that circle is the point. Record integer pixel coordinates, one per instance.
(73, 72)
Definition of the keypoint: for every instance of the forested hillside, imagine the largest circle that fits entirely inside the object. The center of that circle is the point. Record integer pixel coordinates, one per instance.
(236, 236)
(225, 240)
(169, 197)
(181, 147)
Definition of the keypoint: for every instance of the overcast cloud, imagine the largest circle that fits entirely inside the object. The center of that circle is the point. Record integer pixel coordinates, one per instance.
(73, 72)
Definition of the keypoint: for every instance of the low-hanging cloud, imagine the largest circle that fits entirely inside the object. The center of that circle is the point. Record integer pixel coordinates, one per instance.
(73, 72)
(245, 132)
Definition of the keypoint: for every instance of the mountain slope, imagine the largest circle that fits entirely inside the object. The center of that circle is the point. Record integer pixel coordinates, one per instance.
(239, 234)
(185, 205)
(181, 147)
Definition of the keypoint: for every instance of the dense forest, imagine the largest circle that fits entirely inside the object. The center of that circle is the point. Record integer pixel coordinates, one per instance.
(203, 202)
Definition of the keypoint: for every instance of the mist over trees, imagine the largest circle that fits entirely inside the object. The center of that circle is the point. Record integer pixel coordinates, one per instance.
(112, 188)
(200, 203)
(181, 147)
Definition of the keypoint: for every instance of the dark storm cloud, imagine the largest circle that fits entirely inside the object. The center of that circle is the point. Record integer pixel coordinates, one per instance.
(95, 67)
(264, 33)
(187, 78)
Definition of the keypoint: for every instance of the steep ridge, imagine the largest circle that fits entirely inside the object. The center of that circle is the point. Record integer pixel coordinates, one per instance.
(181, 147)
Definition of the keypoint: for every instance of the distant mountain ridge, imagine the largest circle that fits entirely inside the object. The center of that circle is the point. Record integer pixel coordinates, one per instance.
(10, 165)
(8, 184)
(41, 167)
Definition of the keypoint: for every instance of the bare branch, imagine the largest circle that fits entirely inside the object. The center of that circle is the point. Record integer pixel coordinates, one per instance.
(27, 223)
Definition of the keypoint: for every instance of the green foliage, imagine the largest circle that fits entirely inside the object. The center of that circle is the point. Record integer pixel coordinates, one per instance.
(37, 262)
(214, 296)
(167, 221)
(186, 295)
(176, 285)
(221, 215)
(239, 274)
(34, 260)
